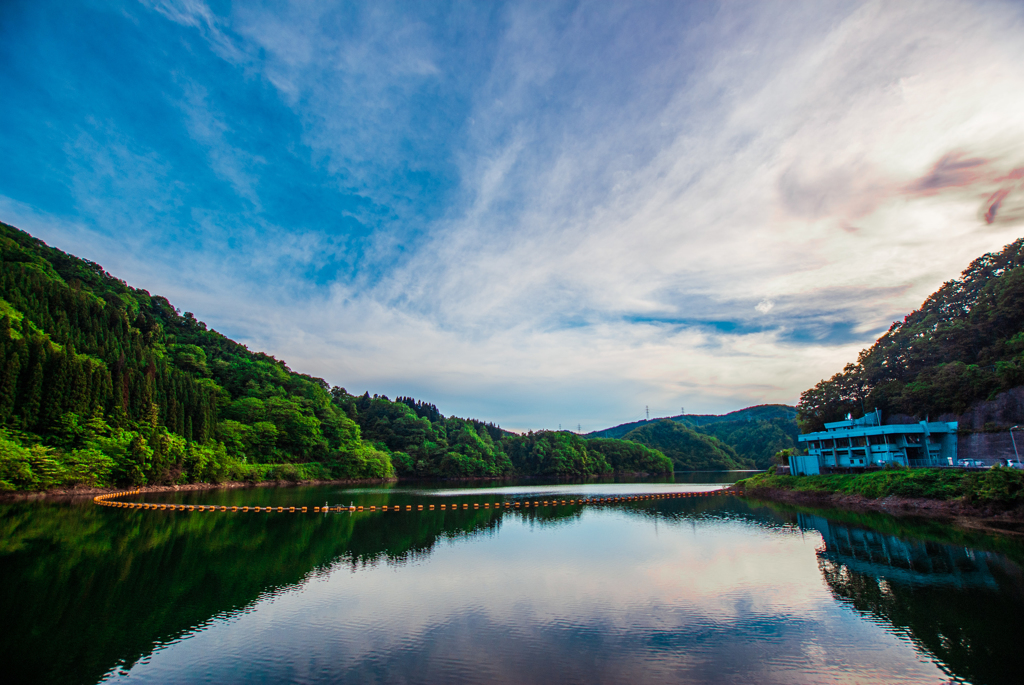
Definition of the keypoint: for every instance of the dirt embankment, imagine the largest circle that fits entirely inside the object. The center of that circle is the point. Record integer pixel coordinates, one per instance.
(992, 517)
(188, 487)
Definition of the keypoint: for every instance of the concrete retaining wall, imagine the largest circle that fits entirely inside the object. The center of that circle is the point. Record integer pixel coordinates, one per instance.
(988, 446)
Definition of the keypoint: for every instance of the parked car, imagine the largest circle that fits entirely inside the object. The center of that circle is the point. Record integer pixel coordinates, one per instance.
(1011, 464)
(971, 463)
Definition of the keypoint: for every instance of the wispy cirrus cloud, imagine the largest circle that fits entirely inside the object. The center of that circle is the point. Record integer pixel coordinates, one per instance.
(553, 213)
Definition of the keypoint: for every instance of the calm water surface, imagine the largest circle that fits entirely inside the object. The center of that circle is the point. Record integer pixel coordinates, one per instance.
(701, 590)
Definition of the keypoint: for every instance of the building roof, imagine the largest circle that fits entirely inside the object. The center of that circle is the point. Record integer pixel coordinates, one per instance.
(860, 427)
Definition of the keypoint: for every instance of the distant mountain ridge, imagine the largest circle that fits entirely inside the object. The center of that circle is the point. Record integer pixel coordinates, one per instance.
(742, 439)
(760, 412)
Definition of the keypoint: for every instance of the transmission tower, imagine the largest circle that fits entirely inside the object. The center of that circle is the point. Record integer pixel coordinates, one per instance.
(647, 410)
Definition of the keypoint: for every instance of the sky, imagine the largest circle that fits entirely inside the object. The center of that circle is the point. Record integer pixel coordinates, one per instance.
(539, 214)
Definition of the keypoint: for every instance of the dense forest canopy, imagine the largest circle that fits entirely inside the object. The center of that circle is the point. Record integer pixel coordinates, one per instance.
(102, 383)
(965, 344)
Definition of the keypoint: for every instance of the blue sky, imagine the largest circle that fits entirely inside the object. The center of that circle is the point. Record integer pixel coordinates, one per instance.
(531, 213)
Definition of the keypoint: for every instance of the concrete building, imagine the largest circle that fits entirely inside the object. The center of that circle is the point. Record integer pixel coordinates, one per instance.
(865, 443)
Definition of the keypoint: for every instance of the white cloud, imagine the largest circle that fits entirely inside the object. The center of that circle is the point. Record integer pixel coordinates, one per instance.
(796, 180)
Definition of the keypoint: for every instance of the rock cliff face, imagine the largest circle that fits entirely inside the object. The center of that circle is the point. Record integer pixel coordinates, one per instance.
(1005, 410)
(998, 414)
(985, 427)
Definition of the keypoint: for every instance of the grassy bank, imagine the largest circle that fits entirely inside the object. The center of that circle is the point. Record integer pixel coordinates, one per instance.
(991, 486)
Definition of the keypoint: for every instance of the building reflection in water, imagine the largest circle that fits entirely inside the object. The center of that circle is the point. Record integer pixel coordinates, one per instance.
(963, 607)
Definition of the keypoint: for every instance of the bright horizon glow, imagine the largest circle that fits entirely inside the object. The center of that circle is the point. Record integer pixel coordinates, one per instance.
(532, 214)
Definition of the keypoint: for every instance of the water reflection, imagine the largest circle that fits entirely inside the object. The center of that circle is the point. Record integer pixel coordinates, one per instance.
(961, 605)
(688, 590)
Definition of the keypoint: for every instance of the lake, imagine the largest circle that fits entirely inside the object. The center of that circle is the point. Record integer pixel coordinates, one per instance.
(691, 590)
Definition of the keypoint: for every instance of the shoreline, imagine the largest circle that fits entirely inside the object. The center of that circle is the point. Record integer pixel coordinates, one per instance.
(79, 492)
(988, 518)
(85, 491)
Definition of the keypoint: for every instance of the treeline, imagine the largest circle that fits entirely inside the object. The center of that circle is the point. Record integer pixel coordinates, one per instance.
(424, 443)
(102, 384)
(965, 343)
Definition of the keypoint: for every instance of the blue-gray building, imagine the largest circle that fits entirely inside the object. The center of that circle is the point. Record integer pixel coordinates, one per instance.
(864, 443)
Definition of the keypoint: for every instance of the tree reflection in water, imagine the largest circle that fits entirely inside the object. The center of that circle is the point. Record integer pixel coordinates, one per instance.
(963, 606)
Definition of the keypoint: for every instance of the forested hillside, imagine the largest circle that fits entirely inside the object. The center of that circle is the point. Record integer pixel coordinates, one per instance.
(103, 384)
(965, 344)
(755, 441)
(688, 449)
(754, 434)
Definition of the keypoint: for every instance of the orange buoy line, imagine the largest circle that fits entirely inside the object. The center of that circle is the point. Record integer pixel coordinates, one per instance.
(109, 500)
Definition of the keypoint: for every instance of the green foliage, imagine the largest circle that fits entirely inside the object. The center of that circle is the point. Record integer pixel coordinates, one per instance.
(630, 457)
(688, 449)
(37, 467)
(997, 485)
(554, 453)
(965, 344)
(781, 458)
(756, 441)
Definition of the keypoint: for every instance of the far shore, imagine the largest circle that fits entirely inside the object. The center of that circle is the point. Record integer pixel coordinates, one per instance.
(78, 492)
(84, 491)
